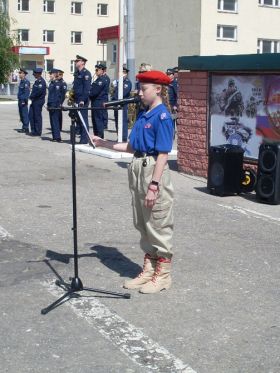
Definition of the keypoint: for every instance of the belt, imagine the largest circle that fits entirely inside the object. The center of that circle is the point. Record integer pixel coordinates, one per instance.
(138, 154)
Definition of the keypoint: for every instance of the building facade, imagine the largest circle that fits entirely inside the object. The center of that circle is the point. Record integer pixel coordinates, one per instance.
(52, 32)
(204, 27)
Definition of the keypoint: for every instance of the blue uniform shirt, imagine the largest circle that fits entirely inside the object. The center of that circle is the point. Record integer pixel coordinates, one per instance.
(54, 97)
(23, 90)
(152, 132)
(81, 85)
(127, 86)
(98, 90)
(63, 90)
(107, 86)
(39, 89)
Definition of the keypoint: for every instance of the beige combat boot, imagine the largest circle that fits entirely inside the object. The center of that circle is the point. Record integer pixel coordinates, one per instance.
(145, 276)
(161, 278)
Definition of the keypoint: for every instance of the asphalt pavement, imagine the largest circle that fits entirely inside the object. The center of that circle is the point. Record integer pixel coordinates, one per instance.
(220, 316)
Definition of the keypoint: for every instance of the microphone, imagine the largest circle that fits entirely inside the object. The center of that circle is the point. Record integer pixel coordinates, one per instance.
(124, 101)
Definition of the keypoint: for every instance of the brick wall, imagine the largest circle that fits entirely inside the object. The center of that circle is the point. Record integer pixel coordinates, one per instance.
(192, 124)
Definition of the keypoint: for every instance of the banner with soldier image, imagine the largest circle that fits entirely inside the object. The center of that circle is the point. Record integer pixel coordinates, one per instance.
(244, 109)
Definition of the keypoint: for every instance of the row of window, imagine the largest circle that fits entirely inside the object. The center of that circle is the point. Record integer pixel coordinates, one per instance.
(49, 64)
(48, 36)
(49, 7)
(232, 5)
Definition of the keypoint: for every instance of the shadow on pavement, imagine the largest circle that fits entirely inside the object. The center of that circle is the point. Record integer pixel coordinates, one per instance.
(113, 259)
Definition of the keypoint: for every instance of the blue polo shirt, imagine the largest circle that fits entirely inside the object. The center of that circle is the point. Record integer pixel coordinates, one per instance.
(152, 132)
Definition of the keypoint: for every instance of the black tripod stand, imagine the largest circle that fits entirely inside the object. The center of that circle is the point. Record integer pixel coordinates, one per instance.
(76, 284)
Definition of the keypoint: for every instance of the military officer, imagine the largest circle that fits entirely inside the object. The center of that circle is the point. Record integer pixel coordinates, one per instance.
(98, 95)
(105, 112)
(37, 98)
(81, 87)
(63, 89)
(54, 101)
(127, 86)
(23, 95)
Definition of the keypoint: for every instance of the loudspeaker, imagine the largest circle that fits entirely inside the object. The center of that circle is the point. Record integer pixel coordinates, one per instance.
(268, 180)
(225, 169)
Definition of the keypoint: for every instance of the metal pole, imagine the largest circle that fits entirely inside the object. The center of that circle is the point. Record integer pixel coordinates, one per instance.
(131, 41)
(120, 74)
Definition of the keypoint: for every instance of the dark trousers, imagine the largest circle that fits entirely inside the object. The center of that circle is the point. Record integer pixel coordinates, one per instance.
(54, 120)
(35, 117)
(80, 128)
(60, 119)
(125, 122)
(97, 118)
(23, 114)
(105, 118)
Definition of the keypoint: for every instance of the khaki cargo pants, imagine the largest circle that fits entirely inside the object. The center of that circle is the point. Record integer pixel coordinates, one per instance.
(155, 225)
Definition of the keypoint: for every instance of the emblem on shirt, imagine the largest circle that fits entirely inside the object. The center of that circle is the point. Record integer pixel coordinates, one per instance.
(100, 83)
(57, 87)
(163, 116)
(148, 125)
(40, 85)
(86, 77)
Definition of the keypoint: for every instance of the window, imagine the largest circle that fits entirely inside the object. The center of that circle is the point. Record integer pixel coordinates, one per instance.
(72, 66)
(48, 36)
(76, 7)
(23, 35)
(227, 5)
(226, 32)
(268, 46)
(102, 9)
(48, 6)
(48, 65)
(3, 7)
(273, 3)
(76, 37)
(114, 53)
(23, 5)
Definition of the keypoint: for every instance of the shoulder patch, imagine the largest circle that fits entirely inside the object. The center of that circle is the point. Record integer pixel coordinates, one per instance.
(163, 116)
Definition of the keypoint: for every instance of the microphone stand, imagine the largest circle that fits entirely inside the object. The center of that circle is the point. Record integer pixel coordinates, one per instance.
(76, 284)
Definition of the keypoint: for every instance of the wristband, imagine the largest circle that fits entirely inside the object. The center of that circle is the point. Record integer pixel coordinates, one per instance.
(153, 182)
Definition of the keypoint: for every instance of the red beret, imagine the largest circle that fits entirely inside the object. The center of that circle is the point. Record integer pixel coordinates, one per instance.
(154, 76)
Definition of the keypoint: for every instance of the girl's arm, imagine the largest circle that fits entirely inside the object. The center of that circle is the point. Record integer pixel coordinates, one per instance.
(153, 190)
(118, 146)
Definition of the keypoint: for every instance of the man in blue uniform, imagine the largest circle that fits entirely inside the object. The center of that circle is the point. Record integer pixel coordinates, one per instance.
(54, 101)
(37, 98)
(105, 112)
(81, 87)
(63, 90)
(127, 86)
(172, 90)
(98, 95)
(23, 95)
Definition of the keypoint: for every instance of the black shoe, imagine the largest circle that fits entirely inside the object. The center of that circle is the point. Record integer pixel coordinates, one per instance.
(21, 130)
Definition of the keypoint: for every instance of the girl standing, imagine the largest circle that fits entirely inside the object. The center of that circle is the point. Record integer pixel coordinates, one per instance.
(149, 182)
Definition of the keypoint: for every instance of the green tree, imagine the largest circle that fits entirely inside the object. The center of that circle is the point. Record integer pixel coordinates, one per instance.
(8, 59)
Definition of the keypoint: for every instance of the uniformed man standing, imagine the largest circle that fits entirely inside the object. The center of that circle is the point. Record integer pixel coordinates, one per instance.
(172, 90)
(173, 95)
(98, 95)
(105, 112)
(54, 101)
(127, 86)
(23, 95)
(37, 98)
(81, 88)
(63, 90)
